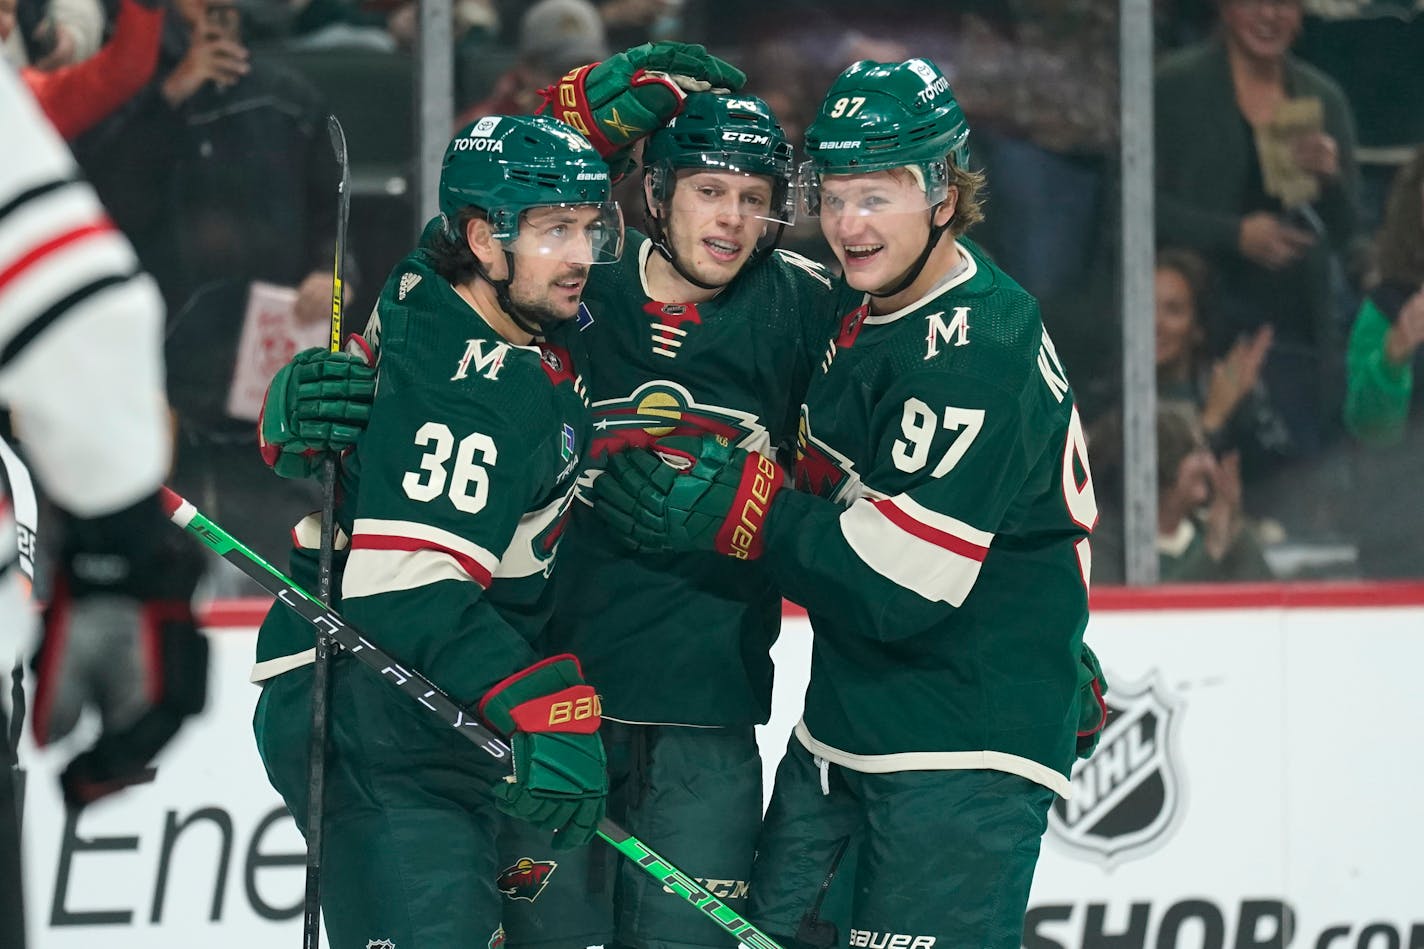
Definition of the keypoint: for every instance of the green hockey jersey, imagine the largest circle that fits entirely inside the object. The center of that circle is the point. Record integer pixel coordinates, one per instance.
(455, 497)
(939, 539)
(684, 638)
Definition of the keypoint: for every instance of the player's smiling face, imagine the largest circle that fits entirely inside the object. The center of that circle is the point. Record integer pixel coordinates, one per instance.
(554, 250)
(714, 221)
(877, 224)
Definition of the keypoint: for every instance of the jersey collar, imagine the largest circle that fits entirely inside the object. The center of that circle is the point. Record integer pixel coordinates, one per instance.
(958, 280)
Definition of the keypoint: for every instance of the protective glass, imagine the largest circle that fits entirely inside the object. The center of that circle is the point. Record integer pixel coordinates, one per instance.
(777, 208)
(909, 189)
(574, 233)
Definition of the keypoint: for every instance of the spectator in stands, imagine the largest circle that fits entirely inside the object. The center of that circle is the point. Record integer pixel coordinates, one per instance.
(76, 97)
(1256, 171)
(222, 169)
(1225, 391)
(216, 462)
(1203, 535)
(1375, 50)
(50, 34)
(554, 37)
(1384, 409)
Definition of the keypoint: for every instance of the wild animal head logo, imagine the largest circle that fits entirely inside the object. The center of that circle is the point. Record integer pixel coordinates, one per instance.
(526, 879)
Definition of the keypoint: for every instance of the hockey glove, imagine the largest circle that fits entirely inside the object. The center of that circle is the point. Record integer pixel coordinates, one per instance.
(119, 637)
(628, 96)
(560, 779)
(1092, 707)
(689, 494)
(318, 402)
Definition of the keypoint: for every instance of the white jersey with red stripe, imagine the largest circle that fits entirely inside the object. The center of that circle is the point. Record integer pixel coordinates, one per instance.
(939, 539)
(81, 361)
(455, 497)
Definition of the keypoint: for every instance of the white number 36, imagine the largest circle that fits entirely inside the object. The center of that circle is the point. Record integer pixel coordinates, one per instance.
(469, 480)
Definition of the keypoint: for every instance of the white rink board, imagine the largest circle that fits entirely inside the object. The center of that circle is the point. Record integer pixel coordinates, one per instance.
(1296, 738)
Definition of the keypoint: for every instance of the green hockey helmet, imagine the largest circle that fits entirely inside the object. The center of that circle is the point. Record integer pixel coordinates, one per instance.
(736, 133)
(507, 165)
(880, 116)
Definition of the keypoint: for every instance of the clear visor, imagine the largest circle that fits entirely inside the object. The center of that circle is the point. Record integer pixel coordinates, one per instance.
(727, 183)
(909, 189)
(573, 233)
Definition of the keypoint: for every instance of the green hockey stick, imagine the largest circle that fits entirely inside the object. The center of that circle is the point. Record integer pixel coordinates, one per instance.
(428, 694)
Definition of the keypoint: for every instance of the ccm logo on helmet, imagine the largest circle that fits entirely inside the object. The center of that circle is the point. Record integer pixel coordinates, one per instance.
(746, 137)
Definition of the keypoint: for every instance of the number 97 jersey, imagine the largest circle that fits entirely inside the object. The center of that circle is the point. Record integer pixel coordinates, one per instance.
(948, 587)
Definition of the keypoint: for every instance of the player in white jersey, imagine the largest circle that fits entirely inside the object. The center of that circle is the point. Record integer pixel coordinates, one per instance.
(81, 372)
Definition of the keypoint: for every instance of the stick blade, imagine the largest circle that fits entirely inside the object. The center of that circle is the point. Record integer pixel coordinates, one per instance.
(338, 146)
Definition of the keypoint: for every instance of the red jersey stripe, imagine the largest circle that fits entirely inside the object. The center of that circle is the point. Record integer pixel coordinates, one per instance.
(950, 542)
(467, 563)
(58, 242)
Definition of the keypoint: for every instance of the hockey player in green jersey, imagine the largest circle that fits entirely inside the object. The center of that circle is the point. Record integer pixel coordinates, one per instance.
(703, 326)
(453, 500)
(938, 539)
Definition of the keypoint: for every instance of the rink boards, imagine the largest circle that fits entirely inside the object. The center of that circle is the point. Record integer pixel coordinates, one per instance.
(1254, 788)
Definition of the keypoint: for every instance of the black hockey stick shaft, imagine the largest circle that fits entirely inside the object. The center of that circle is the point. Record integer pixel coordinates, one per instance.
(321, 688)
(418, 687)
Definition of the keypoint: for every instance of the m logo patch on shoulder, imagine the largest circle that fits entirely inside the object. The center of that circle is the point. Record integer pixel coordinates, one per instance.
(407, 283)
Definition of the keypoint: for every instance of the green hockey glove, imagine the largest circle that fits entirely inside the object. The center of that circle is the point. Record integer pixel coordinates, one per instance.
(560, 779)
(689, 494)
(626, 97)
(318, 402)
(1092, 707)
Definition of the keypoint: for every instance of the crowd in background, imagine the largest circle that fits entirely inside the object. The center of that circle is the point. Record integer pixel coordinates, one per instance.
(1290, 213)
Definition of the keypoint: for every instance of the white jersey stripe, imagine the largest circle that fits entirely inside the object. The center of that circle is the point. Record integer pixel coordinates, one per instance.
(530, 552)
(943, 523)
(306, 533)
(986, 760)
(910, 558)
(385, 569)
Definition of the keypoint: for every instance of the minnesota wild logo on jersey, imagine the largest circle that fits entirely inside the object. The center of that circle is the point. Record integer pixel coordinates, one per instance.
(820, 469)
(660, 408)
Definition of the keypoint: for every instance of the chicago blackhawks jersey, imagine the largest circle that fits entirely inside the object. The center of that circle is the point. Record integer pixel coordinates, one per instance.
(939, 539)
(684, 638)
(454, 498)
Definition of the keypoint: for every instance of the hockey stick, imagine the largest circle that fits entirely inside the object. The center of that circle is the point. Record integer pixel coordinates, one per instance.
(321, 689)
(428, 694)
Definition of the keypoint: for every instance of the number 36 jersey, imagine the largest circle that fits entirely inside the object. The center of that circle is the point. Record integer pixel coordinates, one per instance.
(939, 537)
(454, 498)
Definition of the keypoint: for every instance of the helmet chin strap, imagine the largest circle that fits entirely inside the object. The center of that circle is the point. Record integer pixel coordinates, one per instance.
(913, 274)
(664, 246)
(501, 292)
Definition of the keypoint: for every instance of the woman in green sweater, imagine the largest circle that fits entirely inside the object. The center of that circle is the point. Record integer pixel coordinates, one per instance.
(1384, 410)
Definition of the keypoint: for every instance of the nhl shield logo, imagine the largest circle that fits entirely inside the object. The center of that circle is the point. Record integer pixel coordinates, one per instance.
(1128, 797)
(526, 879)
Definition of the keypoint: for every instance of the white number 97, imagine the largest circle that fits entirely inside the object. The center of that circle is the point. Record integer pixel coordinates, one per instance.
(846, 106)
(918, 423)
